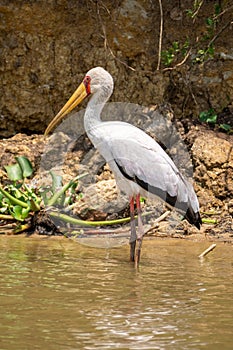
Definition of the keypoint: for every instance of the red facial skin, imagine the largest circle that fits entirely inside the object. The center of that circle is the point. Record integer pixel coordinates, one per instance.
(87, 83)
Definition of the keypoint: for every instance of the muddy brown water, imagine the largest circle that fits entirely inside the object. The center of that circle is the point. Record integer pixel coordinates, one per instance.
(58, 294)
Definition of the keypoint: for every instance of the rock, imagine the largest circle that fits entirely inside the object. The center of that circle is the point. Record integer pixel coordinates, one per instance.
(213, 157)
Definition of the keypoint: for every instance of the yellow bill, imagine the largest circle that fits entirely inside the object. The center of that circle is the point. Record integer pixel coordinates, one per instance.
(74, 101)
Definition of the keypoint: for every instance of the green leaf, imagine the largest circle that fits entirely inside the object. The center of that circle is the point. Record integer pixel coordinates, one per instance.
(175, 45)
(201, 52)
(17, 212)
(210, 50)
(14, 172)
(189, 12)
(217, 9)
(209, 21)
(25, 213)
(212, 119)
(208, 116)
(225, 127)
(25, 165)
(56, 181)
(35, 204)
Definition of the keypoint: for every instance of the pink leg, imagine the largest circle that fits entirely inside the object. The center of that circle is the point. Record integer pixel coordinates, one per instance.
(133, 235)
(140, 230)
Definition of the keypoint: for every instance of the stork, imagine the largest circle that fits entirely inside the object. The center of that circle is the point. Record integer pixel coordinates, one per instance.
(139, 164)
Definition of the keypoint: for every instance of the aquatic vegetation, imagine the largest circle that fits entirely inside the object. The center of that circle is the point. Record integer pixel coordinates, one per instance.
(19, 200)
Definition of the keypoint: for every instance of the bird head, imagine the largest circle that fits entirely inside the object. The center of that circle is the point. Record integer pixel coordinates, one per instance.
(97, 80)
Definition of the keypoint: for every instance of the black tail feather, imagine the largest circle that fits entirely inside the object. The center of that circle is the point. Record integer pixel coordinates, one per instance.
(184, 207)
(193, 218)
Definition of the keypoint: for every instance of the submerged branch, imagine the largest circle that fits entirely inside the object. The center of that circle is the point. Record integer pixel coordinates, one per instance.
(207, 251)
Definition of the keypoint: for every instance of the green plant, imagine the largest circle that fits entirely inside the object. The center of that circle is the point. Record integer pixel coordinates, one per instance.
(19, 201)
(205, 48)
(170, 55)
(196, 7)
(226, 127)
(204, 54)
(211, 117)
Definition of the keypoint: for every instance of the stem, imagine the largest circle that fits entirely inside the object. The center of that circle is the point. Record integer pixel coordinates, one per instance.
(75, 221)
(6, 217)
(217, 35)
(197, 10)
(55, 197)
(13, 199)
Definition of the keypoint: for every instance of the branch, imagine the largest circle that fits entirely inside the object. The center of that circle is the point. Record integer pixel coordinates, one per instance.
(197, 10)
(222, 13)
(207, 251)
(156, 221)
(220, 31)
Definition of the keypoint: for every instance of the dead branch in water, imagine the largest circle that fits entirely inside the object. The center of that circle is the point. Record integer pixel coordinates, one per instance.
(207, 251)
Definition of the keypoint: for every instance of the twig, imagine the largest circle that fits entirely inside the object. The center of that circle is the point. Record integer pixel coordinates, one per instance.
(160, 218)
(222, 13)
(118, 59)
(7, 227)
(197, 10)
(211, 212)
(217, 35)
(207, 251)
(160, 33)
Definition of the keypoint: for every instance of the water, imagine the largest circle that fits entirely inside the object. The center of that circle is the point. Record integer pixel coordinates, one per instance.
(58, 294)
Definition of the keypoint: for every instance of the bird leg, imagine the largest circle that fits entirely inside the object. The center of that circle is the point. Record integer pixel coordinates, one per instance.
(140, 233)
(133, 235)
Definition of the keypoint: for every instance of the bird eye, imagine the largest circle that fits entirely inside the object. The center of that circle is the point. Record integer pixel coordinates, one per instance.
(87, 79)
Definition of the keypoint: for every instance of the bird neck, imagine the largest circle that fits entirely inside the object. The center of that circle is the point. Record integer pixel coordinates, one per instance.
(93, 110)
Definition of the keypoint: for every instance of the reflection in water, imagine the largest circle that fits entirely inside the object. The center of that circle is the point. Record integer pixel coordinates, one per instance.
(57, 294)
